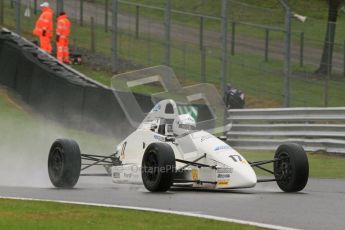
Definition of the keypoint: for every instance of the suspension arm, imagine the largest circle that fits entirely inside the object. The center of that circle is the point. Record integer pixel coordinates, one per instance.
(99, 160)
(194, 163)
(256, 163)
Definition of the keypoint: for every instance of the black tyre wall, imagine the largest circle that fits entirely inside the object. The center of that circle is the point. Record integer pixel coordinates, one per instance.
(101, 111)
(58, 93)
(73, 100)
(9, 58)
(23, 77)
(144, 102)
(39, 88)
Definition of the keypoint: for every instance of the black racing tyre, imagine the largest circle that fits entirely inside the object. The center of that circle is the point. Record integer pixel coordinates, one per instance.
(64, 163)
(158, 167)
(292, 171)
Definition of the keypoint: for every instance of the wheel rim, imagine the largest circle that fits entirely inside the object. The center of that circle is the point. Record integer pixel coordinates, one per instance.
(283, 168)
(56, 163)
(151, 167)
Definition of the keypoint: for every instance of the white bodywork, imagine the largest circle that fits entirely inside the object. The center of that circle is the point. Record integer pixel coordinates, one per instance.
(231, 169)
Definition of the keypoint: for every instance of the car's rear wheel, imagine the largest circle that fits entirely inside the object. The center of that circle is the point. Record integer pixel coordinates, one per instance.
(292, 169)
(64, 163)
(158, 167)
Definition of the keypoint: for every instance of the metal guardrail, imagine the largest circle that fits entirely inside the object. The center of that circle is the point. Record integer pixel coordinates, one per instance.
(314, 128)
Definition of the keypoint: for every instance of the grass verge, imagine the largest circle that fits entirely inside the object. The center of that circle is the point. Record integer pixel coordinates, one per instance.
(49, 215)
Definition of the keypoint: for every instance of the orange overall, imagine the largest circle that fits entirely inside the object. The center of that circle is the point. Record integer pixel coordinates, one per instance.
(44, 29)
(63, 30)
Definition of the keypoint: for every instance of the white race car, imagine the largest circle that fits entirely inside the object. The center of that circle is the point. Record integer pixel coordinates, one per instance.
(166, 150)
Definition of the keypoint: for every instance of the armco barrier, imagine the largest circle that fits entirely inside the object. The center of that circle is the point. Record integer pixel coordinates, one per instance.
(313, 128)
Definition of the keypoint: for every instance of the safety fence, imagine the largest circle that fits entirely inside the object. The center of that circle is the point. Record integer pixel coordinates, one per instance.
(256, 47)
(314, 128)
(58, 92)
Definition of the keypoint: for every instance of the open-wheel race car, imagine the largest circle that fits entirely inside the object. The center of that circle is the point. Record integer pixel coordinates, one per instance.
(166, 150)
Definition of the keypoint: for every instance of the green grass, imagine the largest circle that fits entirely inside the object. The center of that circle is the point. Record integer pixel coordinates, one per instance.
(250, 12)
(261, 81)
(101, 76)
(17, 214)
(321, 165)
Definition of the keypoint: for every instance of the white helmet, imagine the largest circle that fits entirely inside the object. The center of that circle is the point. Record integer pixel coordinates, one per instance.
(183, 124)
(44, 4)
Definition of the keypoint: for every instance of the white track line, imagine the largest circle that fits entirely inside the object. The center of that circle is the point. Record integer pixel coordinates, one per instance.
(189, 214)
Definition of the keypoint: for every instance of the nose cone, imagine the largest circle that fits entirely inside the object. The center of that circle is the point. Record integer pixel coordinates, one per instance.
(244, 177)
(250, 177)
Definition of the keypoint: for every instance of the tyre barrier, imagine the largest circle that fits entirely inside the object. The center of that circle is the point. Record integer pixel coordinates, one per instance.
(58, 93)
(24, 77)
(64, 95)
(10, 55)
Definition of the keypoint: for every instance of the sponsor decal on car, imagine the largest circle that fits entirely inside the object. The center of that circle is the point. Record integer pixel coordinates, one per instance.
(160, 138)
(203, 138)
(195, 174)
(223, 175)
(123, 150)
(223, 182)
(127, 175)
(190, 119)
(238, 158)
(156, 108)
(116, 175)
(221, 147)
(225, 170)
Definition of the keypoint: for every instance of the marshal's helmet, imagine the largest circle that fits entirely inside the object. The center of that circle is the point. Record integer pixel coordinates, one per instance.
(183, 124)
(44, 5)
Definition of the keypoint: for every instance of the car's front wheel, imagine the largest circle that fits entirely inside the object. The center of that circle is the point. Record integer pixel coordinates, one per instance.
(64, 163)
(158, 167)
(291, 169)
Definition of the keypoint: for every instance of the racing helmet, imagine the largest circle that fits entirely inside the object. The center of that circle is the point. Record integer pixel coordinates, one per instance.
(183, 124)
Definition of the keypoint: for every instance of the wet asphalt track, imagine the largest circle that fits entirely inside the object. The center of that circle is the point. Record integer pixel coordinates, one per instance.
(320, 206)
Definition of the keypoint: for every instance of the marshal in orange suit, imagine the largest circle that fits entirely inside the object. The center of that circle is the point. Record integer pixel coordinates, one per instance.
(44, 27)
(63, 29)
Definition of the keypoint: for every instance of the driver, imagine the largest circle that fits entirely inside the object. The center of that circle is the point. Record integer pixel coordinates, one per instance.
(183, 124)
